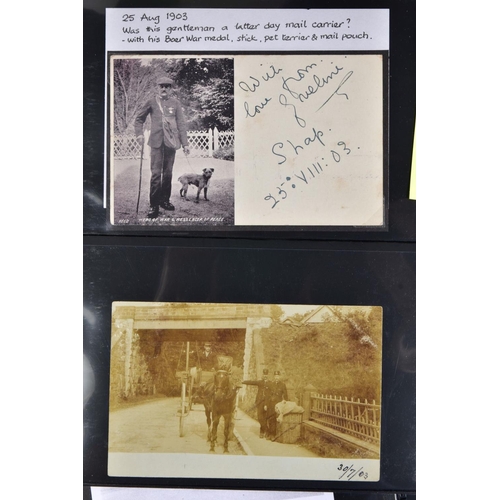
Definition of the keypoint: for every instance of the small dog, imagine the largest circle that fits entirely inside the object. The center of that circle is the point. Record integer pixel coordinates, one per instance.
(200, 181)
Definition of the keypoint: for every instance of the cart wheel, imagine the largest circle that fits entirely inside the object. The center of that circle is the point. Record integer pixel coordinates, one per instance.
(183, 410)
(190, 399)
(181, 425)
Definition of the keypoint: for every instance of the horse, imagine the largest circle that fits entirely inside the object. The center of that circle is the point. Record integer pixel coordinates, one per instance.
(218, 398)
(223, 405)
(204, 395)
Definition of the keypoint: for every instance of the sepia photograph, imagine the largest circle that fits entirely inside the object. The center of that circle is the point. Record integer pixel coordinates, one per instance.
(172, 140)
(245, 390)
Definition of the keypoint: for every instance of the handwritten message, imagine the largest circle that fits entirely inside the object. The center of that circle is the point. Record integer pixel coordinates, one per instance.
(247, 29)
(309, 140)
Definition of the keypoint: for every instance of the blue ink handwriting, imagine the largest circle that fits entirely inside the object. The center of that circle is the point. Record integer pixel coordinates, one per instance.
(346, 77)
(317, 135)
(256, 82)
(257, 109)
(284, 102)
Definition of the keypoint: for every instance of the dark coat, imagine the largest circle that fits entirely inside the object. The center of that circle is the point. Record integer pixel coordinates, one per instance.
(278, 392)
(173, 113)
(209, 362)
(262, 392)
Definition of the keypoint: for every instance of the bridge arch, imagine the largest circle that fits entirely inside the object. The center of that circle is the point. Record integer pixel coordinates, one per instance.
(196, 320)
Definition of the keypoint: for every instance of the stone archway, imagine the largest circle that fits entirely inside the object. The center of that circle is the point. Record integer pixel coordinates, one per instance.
(135, 318)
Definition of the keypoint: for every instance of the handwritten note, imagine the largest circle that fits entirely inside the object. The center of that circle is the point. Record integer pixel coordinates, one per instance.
(247, 29)
(309, 140)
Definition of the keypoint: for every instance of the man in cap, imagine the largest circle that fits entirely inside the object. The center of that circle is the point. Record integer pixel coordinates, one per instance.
(261, 400)
(168, 133)
(277, 394)
(208, 359)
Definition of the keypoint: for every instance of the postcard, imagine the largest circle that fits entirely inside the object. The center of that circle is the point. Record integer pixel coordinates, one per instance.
(268, 137)
(256, 391)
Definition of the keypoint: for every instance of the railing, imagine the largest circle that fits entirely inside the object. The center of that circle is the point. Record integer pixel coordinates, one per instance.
(202, 143)
(354, 417)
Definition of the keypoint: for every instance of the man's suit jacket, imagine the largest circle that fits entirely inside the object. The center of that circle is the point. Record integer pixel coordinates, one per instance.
(278, 392)
(208, 362)
(173, 113)
(262, 391)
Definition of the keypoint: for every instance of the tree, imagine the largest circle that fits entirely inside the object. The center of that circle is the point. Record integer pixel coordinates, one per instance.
(213, 104)
(203, 85)
(277, 313)
(133, 83)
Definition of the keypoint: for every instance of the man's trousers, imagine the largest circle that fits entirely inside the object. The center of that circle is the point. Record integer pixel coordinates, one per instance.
(162, 164)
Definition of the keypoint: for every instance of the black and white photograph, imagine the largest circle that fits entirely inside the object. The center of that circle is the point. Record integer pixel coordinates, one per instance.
(226, 390)
(171, 140)
(309, 149)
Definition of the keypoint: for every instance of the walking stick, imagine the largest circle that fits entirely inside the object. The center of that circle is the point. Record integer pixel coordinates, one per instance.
(140, 177)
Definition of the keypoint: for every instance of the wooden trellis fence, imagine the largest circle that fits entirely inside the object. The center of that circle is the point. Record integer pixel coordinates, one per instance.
(202, 143)
(360, 419)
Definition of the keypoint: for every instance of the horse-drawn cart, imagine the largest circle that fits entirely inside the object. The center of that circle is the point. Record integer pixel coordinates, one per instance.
(214, 389)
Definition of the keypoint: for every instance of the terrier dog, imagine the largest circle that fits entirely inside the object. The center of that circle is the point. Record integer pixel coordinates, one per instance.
(200, 181)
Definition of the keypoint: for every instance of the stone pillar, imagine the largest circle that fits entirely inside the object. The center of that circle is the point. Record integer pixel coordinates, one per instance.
(306, 401)
(254, 326)
(128, 326)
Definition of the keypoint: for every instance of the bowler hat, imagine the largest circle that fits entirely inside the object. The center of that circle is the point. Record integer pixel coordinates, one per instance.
(164, 80)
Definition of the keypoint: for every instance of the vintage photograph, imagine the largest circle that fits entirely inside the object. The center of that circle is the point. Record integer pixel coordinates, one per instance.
(171, 140)
(221, 390)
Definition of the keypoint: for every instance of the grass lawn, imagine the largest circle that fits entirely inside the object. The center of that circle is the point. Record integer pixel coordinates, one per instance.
(218, 211)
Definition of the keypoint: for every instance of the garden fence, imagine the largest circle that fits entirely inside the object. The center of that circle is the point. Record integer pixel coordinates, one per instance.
(360, 419)
(202, 143)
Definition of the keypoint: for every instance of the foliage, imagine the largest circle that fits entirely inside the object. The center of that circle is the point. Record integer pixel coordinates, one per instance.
(277, 313)
(133, 84)
(226, 153)
(203, 85)
(333, 356)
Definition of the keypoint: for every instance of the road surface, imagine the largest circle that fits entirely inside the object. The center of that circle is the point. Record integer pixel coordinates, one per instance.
(153, 427)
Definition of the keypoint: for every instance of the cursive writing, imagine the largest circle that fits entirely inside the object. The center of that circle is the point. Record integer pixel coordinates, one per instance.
(284, 102)
(256, 109)
(297, 148)
(319, 83)
(344, 80)
(255, 82)
(306, 174)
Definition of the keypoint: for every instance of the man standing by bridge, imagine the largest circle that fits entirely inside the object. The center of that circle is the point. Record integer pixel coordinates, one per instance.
(261, 400)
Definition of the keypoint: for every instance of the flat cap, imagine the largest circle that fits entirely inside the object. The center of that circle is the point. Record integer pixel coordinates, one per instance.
(164, 80)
